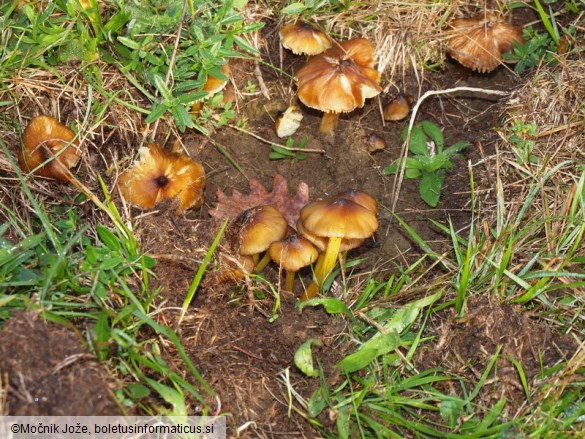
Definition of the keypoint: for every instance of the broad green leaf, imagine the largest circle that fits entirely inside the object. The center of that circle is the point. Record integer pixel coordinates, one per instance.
(457, 147)
(331, 305)
(304, 357)
(318, 401)
(418, 142)
(160, 85)
(294, 9)
(137, 391)
(172, 396)
(108, 238)
(157, 111)
(438, 162)
(128, 42)
(451, 410)
(378, 345)
(412, 174)
(434, 133)
(430, 187)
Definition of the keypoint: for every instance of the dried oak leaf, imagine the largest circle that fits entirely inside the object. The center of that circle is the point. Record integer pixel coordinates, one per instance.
(288, 205)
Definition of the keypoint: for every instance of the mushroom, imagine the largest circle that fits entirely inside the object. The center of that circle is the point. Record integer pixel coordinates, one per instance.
(288, 122)
(335, 218)
(360, 197)
(163, 175)
(214, 85)
(257, 228)
(303, 39)
(398, 108)
(478, 43)
(50, 149)
(339, 80)
(292, 253)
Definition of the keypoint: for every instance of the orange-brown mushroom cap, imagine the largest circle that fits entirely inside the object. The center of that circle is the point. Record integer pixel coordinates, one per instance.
(163, 175)
(340, 79)
(398, 108)
(259, 227)
(303, 39)
(215, 85)
(360, 197)
(478, 43)
(338, 218)
(46, 138)
(293, 252)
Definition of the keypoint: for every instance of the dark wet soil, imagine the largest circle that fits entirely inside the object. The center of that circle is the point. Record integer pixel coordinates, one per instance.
(50, 372)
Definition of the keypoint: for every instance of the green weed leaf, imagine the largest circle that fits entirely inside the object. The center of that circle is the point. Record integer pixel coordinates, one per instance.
(430, 187)
(434, 133)
(294, 9)
(418, 141)
(331, 305)
(304, 357)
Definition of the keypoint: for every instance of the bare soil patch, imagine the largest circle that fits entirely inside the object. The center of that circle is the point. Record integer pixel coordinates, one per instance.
(50, 373)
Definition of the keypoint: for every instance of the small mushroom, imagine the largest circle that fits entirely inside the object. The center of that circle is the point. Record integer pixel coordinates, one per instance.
(398, 108)
(375, 143)
(50, 149)
(214, 85)
(303, 39)
(478, 43)
(339, 80)
(161, 175)
(336, 219)
(292, 253)
(288, 122)
(257, 228)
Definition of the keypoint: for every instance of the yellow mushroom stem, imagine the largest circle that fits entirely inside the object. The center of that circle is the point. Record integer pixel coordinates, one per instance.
(260, 265)
(289, 280)
(324, 266)
(329, 123)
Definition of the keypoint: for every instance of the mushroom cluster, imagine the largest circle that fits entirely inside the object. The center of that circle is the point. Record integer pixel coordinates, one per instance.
(326, 228)
(338, 78)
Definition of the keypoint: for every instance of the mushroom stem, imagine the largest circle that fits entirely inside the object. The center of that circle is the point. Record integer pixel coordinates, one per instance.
(329, 259)
(329, 123)
(324, 266)
(289, 280)
(262, 263)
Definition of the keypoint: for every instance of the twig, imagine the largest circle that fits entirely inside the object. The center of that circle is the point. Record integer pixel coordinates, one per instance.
(262, 139)
(399, 177)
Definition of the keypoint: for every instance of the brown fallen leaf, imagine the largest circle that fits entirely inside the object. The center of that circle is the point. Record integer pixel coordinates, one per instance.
(288, 205)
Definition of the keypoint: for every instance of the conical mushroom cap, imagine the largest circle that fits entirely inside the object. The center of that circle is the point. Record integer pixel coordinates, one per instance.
(163, 175)
(45, 138)
(340, 79)
(293, 252)
(259, 227)
(339, 218)
(303, 39)
(478, 43)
